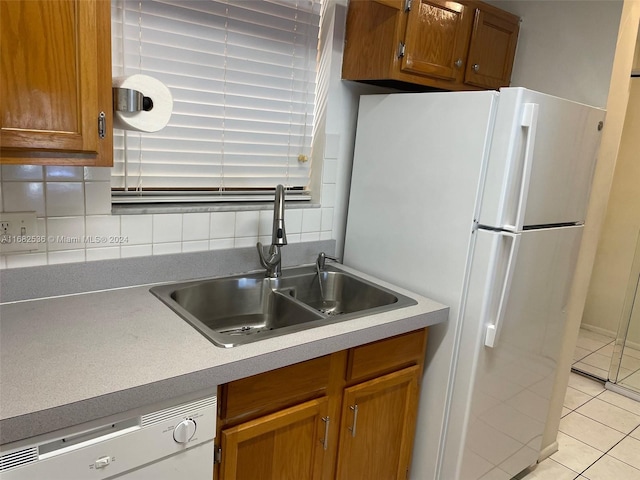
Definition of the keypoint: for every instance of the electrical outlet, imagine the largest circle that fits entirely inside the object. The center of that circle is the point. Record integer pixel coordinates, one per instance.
(18, 232)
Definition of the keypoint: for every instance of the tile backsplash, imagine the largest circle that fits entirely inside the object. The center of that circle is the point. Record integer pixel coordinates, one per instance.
(73, 208)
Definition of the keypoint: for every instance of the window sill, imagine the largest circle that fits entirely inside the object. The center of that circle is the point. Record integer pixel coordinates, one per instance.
(151, 208)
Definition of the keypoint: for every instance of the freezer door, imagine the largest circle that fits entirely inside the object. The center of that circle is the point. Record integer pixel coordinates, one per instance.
(503, 380)
(541, 161)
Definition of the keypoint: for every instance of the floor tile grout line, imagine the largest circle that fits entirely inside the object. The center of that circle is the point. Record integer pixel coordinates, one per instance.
(593, 396)
(581, 441)
(607, 453)
(598, 421)
(613, 404)
(603, 453)
(598, 395)
(584, 360)
(632, 373)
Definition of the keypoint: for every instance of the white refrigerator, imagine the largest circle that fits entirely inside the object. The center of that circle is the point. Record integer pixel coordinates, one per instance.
(477, 200)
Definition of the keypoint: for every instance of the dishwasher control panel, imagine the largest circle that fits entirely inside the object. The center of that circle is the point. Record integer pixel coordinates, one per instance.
(116, 448)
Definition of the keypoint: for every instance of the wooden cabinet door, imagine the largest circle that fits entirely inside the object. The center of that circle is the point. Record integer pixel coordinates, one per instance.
(54, 83)
(378, 426)
(492, 50)
(436, 39)
(286, 445)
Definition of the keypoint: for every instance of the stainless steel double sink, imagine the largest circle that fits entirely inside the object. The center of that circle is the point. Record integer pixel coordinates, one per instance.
(240, 309)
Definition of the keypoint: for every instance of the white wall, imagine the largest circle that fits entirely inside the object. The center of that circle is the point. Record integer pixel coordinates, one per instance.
(612, 267)
(611, 272)
(566, 48)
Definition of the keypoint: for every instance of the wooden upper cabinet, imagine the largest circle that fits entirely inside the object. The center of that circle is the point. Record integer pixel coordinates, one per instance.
(449, 45)
(436, 40)
(55, 82)
(492, 49)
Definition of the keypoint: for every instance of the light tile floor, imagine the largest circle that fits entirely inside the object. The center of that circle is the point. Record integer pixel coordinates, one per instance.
(599, 436)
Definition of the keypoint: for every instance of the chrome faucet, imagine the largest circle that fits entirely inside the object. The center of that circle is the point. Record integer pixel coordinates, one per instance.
(273, 263)
(322, 258)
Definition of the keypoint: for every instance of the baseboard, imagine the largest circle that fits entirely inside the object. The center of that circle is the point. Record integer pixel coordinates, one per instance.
(609, 333)
(548, 451)
(634, 345)
(602, 331)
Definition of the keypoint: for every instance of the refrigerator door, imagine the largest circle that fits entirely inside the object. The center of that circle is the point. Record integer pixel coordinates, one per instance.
(501, 393)
(542, 161)
(418, 166)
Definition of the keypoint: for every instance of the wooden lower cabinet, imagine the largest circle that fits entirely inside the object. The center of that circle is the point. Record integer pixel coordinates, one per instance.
(287, 444)
(349, 416)
(377, 427)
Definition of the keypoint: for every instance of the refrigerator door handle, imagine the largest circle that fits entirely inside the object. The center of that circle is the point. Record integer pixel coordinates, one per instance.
(530, 122)
(492, 332)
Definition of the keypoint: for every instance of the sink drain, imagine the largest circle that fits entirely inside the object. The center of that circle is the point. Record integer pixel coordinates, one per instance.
(241, 331)
(329, 307)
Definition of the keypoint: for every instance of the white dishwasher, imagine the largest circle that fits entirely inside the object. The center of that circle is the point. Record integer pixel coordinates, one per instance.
(174, 443)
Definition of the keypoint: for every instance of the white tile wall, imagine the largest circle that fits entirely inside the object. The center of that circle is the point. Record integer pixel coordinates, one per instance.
(97, 197)
(64, 198)
(311, 220)
(63, 174)
(195, 226)
(137, 229)
(23, 197)
(73, 206)
(293, 220)
(22, 172)
(167, 228)
(136, 251)
(247, 224)
(222, 225)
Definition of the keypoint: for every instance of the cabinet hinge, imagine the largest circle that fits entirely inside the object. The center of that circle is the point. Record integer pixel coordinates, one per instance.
(102, 125)
(401, 50)
(407, 5)
(217, 455)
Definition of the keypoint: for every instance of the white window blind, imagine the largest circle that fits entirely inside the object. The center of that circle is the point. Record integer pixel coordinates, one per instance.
(243, 78)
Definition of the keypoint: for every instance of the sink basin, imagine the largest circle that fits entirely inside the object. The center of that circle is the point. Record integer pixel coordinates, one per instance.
(241, 306)
(236, 310)
(336, 293)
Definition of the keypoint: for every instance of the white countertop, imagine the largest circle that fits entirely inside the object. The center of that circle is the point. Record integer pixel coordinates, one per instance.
(77, 358)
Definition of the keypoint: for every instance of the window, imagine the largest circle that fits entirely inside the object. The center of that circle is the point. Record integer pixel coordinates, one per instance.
(243, 77)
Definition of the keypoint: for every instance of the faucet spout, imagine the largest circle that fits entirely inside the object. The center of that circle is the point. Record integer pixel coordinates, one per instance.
(273, 264)
(278, 235)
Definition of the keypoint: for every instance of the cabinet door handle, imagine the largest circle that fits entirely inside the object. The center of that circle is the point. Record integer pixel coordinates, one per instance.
(458, 63)
(102, 125)
(355, 420)
(325, 440)
(475, 67)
